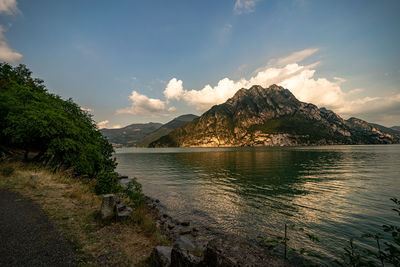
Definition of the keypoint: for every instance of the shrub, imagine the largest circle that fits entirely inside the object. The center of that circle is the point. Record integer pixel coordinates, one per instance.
(106, 183)
(133, 191)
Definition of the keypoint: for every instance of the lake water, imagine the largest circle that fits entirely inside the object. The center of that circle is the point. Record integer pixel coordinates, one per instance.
(334, 192)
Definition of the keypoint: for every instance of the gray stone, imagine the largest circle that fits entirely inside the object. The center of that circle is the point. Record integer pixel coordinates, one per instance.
(232, 250)
(161, 256)
(108, 206)
(126, 213)
(184, 243)
(181, 255)
(121, 206)
(183, 258)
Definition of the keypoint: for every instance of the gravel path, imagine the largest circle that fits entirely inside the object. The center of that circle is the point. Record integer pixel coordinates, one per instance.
(27, 236)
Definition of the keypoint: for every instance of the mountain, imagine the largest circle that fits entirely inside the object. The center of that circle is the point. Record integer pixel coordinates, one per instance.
(271, 117)
(167, 128)
(130, 135)
(397, 128)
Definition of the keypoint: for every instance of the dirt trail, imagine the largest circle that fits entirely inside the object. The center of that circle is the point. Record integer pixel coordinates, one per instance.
(27, 236)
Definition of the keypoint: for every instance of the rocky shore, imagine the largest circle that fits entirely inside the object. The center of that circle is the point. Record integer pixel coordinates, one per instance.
(200, 246)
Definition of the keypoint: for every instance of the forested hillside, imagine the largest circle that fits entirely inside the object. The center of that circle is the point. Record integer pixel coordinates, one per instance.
(58, 131)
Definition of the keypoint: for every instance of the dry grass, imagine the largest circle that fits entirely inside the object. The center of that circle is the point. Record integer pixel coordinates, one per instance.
(73, 207)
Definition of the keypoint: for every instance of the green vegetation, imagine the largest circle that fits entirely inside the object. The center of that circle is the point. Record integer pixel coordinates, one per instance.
(57, 131)
(387, 247)
(276, 243)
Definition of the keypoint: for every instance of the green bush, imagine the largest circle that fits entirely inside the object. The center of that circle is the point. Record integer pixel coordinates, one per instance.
(133, 191)
(106, 183)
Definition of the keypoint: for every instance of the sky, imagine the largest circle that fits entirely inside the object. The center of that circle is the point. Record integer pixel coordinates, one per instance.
(139, 61)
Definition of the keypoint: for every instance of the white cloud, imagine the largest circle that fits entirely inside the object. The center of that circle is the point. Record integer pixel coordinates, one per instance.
(143, 105)
(174, 89)
(171, 109)
(244, 6)
(87, 109)
(9, 7)
(339, 79)
(102, 124)
(7, 54)
(295, 57)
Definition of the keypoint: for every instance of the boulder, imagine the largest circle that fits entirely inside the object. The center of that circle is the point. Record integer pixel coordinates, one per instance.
(181, 255)
(120, 206)
(108, 206)
(232, 250)
(161, 256)
(125, 213)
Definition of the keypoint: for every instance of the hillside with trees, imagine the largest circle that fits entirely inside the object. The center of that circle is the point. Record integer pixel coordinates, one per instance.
(58, 132)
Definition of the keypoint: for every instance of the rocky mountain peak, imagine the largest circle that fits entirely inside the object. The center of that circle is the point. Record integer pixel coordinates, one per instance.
(272, 116)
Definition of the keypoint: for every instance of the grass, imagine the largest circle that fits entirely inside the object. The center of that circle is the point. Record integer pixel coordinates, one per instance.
(71, 204)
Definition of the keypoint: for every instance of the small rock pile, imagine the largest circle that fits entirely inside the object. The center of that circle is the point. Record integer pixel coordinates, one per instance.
(227, 250)
(112, 207)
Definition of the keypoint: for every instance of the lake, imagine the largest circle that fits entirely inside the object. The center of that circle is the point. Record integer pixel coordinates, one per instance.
(334, 192)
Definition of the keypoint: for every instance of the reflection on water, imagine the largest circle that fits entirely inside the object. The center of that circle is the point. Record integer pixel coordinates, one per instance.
(335, 192)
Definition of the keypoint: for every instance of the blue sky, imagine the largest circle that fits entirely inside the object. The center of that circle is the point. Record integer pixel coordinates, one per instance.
(140, 61)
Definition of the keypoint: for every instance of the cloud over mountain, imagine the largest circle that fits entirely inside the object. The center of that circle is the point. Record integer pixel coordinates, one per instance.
(142, 105)
(288, 72)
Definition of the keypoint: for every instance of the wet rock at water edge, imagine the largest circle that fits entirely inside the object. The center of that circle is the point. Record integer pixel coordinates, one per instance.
(161, 256)
(181, 253)
(232, 250)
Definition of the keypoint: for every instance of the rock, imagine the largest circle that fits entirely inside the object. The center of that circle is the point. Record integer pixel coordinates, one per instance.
(181, 256)
(184, 243)
(171, 226)
(126, 213)
(108, 206)
(157, 201)
(122, 177)
(161, 256)
(232, 250)
(120, 206)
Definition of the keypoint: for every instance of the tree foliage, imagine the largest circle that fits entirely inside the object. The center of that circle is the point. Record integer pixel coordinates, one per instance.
(59, 131)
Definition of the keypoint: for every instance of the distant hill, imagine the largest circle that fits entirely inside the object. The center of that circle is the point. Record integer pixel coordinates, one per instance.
(397, 128)
(272, 117)
(142, 134)
(167, 128)
(130, 135)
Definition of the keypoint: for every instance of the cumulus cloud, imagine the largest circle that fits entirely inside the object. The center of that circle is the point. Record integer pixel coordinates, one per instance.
(9, 7)
(295, 57)
(87, 109)
(174, 89)
(143, 105)
(105, 124)
(7, 54)
(171, 109)
(244, 6)
(102, 124)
